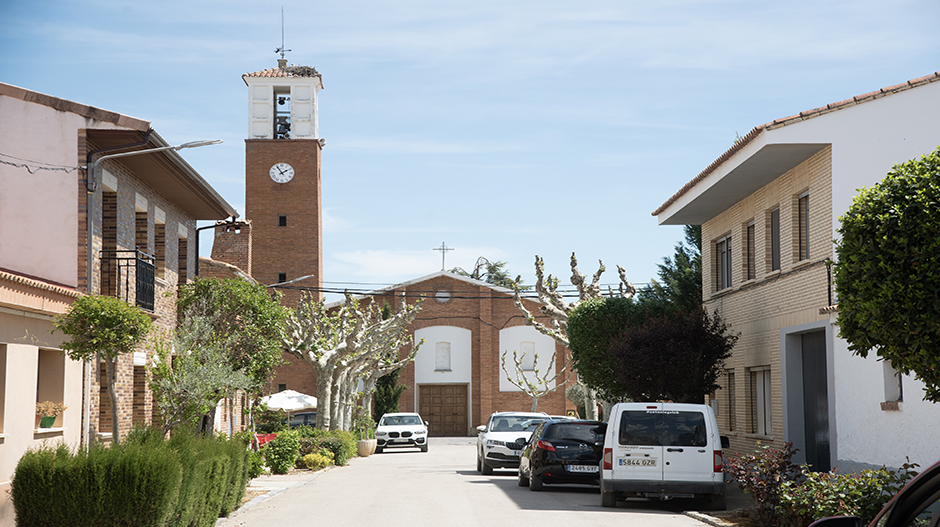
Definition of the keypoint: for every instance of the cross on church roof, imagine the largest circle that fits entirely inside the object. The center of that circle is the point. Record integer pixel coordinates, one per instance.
(443, 248)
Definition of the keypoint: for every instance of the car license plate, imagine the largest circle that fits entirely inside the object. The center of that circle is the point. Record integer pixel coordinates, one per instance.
(581, 468)
(399, 440)
(637, 462)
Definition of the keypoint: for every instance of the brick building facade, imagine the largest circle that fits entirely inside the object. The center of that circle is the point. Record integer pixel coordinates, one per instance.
(769, 208)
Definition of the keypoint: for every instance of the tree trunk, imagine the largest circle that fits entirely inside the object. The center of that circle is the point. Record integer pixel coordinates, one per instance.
(590, 403)
(324, 391)
(111, 365)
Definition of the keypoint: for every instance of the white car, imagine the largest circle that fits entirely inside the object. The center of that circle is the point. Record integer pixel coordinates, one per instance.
(401, 430)
(501, 440)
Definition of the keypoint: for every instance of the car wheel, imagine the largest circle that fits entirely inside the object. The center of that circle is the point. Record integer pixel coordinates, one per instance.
(378, 450)
(523, 481)
(479, 464)
(535, 483)
(608, 499)
(424, 447)
(486, 469)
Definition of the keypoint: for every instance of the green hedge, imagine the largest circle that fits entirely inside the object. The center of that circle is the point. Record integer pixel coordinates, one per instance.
(187, 481)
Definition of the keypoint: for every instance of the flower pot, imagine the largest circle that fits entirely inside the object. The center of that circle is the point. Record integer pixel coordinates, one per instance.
(47, 422)
(366, 447)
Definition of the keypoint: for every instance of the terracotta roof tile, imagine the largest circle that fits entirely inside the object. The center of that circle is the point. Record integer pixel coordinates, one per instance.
(802, 116)
(286, 72)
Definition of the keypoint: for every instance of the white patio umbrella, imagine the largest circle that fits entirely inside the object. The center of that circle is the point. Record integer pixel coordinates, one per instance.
(290, 401)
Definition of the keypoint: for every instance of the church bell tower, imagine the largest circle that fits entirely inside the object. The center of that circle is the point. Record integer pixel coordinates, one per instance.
(282, 178)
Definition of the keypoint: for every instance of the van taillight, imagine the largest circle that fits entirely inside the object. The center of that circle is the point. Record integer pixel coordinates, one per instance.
(608, 459)
(719, 462)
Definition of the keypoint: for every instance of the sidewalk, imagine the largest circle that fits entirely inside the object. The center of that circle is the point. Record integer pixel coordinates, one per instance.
(268, 485)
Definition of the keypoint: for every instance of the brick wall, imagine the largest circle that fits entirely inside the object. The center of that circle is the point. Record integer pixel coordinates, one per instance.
(126, 231)
(479, 309)
(759, 308)
(297, 248)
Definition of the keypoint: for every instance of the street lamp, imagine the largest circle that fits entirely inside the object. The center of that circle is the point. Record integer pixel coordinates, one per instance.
(91, 182)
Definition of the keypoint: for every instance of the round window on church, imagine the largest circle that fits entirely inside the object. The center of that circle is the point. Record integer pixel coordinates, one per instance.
(442, 296)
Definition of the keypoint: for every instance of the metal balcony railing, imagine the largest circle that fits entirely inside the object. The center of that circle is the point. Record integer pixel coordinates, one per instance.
(129, 274)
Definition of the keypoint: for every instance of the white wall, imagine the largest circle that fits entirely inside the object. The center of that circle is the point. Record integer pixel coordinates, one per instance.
(39, 211)
(510, 340)
(460, 350)
(868, 435)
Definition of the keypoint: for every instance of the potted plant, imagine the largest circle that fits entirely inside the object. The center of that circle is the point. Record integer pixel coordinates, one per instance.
(365, 426)
(47, 411)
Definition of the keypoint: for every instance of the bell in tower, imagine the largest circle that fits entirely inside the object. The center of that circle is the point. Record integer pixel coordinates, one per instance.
(283, 102)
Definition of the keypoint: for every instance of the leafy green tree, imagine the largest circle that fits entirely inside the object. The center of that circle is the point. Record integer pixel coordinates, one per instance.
(188, 376)
(592, 326)
(675, 357)
(103, 327)
(680, 277)
(492, 273)
(887, 278)
(387, 394)
(246, 315)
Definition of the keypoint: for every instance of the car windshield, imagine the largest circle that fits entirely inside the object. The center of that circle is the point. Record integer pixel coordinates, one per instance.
(397, 420)
(516, 423)
(662, 428)
(578, 432)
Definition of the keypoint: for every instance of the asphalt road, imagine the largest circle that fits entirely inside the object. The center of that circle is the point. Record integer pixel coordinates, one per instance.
(408, 488)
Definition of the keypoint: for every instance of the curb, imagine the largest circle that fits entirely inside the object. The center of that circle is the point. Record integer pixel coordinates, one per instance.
(710, 520)
(274, 492)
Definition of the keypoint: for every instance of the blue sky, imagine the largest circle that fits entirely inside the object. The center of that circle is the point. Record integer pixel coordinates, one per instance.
(504, 129)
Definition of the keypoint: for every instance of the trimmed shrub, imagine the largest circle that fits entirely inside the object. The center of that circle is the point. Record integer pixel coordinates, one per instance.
(823, 494)
(281, 452)
(762, 475)
(255, 464)
(128, 485)
(317, 461)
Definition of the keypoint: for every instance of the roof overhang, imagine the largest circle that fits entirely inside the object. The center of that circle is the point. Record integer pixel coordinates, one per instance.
(735, 179)
(165, 172)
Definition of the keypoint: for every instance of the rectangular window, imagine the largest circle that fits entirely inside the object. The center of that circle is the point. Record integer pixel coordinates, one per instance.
(281, 387)
(723, 263)
(281, 278)
(442, 356)
(3, 383)
(109, 208)
(775, 239)
(729, 388)
(749, 251)
(760, 400)
(803, 226)
(142, 235)
(894, 391)
(50, 384)
(182, 254)
(282, 220)
(159, 249)
(528, 355)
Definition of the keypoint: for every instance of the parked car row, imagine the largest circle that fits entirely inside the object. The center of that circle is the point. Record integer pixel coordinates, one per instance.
(652, 450)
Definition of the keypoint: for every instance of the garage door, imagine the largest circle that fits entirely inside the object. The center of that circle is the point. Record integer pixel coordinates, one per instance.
(444, 407)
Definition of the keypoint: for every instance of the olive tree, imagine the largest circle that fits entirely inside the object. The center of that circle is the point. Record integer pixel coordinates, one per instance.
(103, 327)
(887, 279)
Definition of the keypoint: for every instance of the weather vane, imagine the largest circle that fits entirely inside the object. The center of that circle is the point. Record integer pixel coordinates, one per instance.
(281, 49)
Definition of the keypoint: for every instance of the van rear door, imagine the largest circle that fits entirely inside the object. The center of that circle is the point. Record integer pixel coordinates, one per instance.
(639, 452)
(687, 455)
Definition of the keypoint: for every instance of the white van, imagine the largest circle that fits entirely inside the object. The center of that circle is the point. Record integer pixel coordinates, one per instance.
(662, 450)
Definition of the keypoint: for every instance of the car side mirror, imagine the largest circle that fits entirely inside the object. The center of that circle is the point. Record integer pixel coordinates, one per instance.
(838, 521)
(481, 428)
(725, 443)
(427, 424)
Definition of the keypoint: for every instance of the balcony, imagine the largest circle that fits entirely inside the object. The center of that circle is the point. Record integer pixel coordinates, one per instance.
(127, 275)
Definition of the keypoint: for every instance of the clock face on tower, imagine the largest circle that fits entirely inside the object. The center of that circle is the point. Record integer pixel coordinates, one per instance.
(282, 172)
